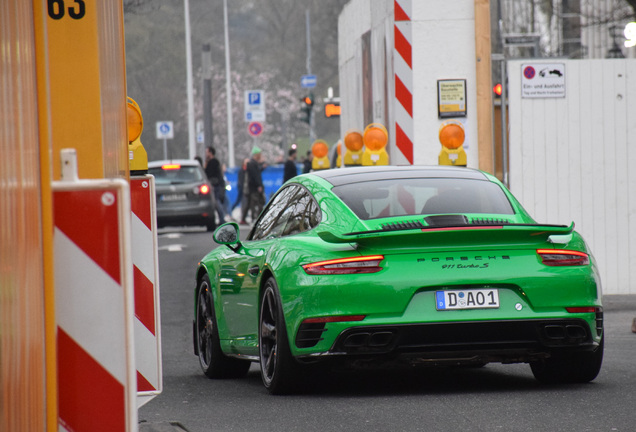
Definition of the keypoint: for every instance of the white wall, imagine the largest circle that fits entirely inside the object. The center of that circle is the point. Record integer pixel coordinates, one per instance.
(443, 48)
(574, 159)
(443, 41)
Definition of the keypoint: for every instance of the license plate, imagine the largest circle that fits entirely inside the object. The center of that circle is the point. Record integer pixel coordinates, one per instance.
(174, 197)
(467, 299)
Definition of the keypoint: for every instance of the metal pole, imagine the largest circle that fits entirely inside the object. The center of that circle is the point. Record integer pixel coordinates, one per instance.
(312, 133)
(206, 65)
(504, 124)
(165, 149)
(189, 90)
(228, 91)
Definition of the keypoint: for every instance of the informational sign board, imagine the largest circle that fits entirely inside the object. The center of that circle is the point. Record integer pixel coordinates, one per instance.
(254, 105)
(165, 130)
(451, 98)
(308, 81)
(543, 80)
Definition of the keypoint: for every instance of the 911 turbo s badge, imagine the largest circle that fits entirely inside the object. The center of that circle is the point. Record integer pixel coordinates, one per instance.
(481, 258)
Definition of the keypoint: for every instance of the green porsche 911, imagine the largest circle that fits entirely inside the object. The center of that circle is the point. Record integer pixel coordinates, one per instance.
(377, 266)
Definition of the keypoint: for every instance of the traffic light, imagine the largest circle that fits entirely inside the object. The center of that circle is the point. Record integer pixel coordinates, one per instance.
(497, 89)
(332, 109)
(306, 108)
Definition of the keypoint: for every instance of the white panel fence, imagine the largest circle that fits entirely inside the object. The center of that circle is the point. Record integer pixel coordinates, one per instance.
(573, 157)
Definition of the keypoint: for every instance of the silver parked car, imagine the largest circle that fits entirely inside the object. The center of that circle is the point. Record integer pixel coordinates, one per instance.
(184, 194)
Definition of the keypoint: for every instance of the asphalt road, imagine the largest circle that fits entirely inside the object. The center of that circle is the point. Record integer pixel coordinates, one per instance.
(493, 398)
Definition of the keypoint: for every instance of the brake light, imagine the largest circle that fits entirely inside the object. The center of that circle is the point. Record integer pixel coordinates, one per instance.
(332, 319)
(583, 309)
(170, 166)
(354, 265)
(560, 257)
(204, 189)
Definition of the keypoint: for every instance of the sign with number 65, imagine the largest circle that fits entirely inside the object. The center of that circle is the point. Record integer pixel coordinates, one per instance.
(57, 9)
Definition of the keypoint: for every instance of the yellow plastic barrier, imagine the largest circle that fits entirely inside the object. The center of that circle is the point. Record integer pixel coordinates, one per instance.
(375, 138)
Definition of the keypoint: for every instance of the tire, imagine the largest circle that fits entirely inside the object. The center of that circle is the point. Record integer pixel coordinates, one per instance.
(571, 367)
(279, 370)
(213, 362)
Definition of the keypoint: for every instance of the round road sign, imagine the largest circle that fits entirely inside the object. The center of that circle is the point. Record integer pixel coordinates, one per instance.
(255, 128)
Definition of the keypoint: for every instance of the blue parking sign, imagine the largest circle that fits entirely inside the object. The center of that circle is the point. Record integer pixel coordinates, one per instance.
(254, 98)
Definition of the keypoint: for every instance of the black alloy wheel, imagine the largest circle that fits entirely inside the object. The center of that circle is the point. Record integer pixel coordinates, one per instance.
(213, 362)
(279, 370)
(570, 367)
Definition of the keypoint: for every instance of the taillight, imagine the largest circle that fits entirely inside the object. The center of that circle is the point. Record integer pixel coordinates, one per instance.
(560, 257)
(332, 319)
(584, 309)
(204, 189)
(354, 265)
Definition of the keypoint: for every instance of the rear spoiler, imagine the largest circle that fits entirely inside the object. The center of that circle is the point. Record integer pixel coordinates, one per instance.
(431, 235)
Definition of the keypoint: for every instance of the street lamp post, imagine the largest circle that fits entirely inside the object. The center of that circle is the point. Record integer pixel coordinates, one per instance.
(615, 51)
(228, 90)
(189, 90)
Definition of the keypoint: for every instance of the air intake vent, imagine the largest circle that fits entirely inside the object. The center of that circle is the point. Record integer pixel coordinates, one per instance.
(488, 221)
(402, 226)
(309, 334)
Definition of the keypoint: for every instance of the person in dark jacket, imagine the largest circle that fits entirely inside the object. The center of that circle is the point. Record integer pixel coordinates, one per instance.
(215, 174)
(307, 163)
(254, 198)
(290, 166)
(241, 184)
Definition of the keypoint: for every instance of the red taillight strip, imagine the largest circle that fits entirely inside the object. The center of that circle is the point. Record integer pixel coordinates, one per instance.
(331, 319)
(562, 257)
(366, 264)
(584, 309)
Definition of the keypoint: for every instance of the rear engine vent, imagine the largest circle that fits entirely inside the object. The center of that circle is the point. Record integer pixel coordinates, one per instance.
(489, 221)
(402, 226)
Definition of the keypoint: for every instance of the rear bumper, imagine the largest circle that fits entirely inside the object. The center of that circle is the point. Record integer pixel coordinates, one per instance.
(192, 213)
(507, 341)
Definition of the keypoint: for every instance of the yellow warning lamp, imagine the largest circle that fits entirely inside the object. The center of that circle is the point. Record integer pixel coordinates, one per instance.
(320, 150)
(375, 138)
(354, 143)
(137, 156)
(452, 136)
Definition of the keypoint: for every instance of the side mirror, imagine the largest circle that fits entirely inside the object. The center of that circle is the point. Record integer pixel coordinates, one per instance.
(228, 234)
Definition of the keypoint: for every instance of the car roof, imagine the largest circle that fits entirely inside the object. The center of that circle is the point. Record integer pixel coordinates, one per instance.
(342, 176)
(182, 162)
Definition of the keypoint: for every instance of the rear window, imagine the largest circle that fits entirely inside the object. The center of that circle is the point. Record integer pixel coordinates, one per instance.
(183, 174)
(427, 196)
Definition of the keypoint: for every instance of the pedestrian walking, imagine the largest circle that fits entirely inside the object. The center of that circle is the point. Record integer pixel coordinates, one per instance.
(215, 176)
(307, 163)
(254, 198)
(241, 184)
(290, 166)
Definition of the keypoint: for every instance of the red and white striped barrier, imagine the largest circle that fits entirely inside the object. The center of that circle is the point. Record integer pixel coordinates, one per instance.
(94, 305)
(147, 321)
(403, 74)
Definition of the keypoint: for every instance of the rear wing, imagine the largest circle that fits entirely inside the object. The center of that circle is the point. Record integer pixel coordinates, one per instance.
(427, 236)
